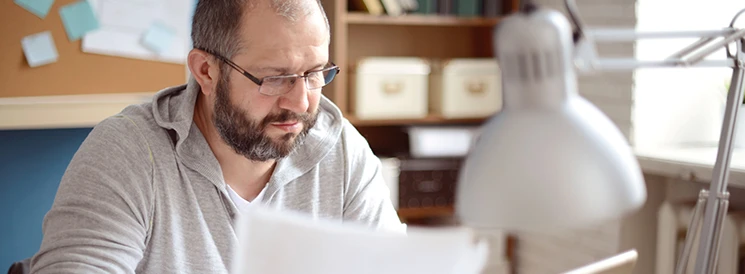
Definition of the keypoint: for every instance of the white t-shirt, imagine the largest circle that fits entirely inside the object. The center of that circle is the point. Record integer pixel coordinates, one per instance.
(241, 203)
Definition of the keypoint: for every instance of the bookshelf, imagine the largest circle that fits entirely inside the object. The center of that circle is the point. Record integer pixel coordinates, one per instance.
(357, 34)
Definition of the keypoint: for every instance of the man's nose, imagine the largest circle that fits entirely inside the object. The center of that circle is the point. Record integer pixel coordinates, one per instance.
(297, 99)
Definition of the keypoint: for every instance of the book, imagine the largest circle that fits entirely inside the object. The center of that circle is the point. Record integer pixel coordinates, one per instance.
(446, 7)
(468, 8)
(426, 6)
(492, 8)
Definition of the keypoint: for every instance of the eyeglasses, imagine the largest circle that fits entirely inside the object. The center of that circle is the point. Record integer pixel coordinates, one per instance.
(282, 84)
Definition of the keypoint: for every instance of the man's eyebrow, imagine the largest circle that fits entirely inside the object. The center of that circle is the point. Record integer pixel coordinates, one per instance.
(319, 66)
(284, 70)
(279, 70)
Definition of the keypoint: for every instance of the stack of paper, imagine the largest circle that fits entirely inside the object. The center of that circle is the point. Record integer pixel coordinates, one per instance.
(274, 242)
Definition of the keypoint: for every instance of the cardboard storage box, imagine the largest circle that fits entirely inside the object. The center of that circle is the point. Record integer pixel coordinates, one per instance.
(390, 88)
(466, 88)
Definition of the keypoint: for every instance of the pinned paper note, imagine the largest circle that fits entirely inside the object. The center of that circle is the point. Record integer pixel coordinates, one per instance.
(39, 49)
(37, 7)
(158, 38)
(78, 19)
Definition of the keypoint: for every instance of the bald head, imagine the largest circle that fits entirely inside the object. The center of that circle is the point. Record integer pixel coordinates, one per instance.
(216, 23)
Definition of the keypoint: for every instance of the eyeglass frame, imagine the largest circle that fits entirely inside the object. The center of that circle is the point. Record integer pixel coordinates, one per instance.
(260, 81)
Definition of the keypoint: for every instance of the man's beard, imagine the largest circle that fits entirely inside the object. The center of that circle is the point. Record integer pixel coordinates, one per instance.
(248, 137)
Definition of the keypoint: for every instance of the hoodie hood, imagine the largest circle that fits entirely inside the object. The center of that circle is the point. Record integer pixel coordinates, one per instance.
(173, 110)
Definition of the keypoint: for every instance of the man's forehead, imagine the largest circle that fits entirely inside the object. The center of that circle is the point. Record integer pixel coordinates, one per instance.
(286, 62)
(275, 57)
(273, 31)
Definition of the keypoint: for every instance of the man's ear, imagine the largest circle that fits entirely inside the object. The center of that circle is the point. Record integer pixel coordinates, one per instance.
(204, 69)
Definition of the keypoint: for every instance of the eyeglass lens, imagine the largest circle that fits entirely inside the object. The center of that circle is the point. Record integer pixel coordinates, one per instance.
(274, 85)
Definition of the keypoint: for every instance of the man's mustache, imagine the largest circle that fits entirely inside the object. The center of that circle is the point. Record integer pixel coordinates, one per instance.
(286, 115)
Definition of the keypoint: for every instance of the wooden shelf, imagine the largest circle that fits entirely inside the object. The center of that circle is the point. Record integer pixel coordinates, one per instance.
(418, 20)
(431, 119)
(426, 212)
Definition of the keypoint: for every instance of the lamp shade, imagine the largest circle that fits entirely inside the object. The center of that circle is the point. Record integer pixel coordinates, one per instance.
(549, 158)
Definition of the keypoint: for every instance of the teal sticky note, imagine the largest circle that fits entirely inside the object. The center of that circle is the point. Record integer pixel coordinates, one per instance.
(158, 38)
(78, 19)
(37, 7)
(39, 49)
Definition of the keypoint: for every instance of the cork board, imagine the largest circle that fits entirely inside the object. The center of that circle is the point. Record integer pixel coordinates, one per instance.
(75, 72)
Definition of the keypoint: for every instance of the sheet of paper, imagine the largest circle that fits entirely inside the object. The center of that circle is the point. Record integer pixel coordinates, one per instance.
(127, 29)
(158, 38)
(39, 49)
(286, 242)
(78, 19)
(37, 7)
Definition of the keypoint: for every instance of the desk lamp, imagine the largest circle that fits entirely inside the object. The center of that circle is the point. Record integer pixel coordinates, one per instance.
(550, 159)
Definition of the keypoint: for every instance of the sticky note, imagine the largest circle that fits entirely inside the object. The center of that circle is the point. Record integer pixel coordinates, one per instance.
(78, 19)
(39, 49)
(158, 38)
(37, 7)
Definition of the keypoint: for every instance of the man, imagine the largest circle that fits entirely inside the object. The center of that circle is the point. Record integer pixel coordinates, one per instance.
(157, 188)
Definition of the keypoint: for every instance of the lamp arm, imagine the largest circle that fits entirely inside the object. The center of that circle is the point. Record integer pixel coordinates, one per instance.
(586, 55)
(717, 201)
(587, 60)
(717, 198)
(573, 12)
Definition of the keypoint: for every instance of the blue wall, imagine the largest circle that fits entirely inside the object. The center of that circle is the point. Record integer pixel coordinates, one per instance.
(31, 165)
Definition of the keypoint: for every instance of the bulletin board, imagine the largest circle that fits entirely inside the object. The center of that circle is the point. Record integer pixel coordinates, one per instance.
(75, 72)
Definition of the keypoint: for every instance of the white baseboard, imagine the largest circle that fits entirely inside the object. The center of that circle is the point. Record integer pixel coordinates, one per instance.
(66, 111)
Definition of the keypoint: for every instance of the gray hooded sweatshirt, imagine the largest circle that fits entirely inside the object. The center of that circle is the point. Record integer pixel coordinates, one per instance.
(145, 194)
